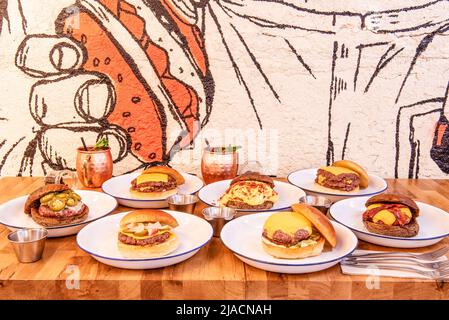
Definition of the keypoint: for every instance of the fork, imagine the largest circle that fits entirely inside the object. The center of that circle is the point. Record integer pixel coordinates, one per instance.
(401, 261)
(428, 256)
(436, 274)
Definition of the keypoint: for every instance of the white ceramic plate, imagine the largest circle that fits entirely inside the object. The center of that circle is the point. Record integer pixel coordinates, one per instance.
(99, 239)
(433, 224)
(288, 195)
(118, 187)
(13, 217)
(243, 237)
(305, 179)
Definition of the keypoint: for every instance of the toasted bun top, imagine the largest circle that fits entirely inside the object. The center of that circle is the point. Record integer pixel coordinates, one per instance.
(166, 170)
(33, 199)
(287, 222)
(149, 215)
(337, 170)
(319, 220)
(364, 177)
(253, 176)
(394, 198)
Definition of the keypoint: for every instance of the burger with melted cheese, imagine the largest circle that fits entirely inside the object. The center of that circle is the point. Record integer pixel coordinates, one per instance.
(147, 233)
(343, 175)
(250, 190)
(157, 183)
(298, 234)
(392, 215)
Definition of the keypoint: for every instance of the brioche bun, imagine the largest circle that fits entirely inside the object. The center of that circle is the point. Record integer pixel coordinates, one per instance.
(284, 252)
(149, 251)
(351, 165)
(166, 170)
(319, 220)
(149, 215)
(153, 195)
(58, 221)
(253, 176)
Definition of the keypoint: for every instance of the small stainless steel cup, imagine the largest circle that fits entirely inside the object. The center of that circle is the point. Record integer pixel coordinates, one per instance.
(218, 217)
(182, 202)
(28, 244)
(321, 203)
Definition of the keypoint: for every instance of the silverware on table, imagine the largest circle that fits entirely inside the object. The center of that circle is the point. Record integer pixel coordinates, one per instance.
(28, 244)
(182, 202)
(428, 256)
(436, 273)
(398, 261)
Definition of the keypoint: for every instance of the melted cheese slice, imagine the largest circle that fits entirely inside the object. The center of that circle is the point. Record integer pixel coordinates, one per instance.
(132, 235)
(386, 216)
(287, 222)
(152, 177)
(337, 170)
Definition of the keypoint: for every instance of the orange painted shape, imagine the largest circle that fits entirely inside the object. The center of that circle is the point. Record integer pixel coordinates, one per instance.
(440, 133)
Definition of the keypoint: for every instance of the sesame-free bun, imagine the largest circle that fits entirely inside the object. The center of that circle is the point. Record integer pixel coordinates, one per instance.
(149, 251)
(153, 195)
(59, 221)
(284, 252)
(166, 170)
(406, 231)
(351, 165)
(319, 220)
(149, 215)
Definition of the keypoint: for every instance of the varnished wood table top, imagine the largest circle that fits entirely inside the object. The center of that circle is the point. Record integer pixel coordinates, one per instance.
(66, 272)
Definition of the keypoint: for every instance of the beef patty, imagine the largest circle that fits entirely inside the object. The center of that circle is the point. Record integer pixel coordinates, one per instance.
(284, 239)
(154, 186)
(344, 181)
(160, 238)
(45, 211)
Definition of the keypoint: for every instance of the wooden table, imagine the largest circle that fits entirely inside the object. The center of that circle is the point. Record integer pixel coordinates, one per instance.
(213, 273)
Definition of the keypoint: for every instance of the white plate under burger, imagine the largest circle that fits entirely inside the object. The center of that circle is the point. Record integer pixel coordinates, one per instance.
(288, 195)
(99, 239)
(119, 188)
(100, 205)
(243, 236)
(433, 224)
(305, 179)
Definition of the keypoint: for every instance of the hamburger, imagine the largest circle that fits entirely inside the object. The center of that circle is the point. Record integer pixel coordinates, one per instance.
(250, 190)
(391, 215)
(147, 233)
(157, 182)
(343, 175)
(55, 205)
(298, 234)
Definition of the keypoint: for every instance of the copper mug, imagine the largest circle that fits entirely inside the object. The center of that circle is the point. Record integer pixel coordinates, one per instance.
(93, 166)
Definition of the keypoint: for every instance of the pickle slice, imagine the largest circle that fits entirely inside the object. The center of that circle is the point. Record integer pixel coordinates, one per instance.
(71, 202)
(47, 198)
(57, 204)
(76, 196)
(62, 195)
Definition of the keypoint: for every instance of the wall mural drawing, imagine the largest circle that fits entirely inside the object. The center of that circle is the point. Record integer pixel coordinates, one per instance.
(367, 79)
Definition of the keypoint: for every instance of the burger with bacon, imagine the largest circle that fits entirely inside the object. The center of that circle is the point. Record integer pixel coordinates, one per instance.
(147, 233)
(392, 215)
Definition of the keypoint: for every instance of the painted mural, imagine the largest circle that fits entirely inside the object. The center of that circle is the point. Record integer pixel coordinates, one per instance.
(357, 79)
